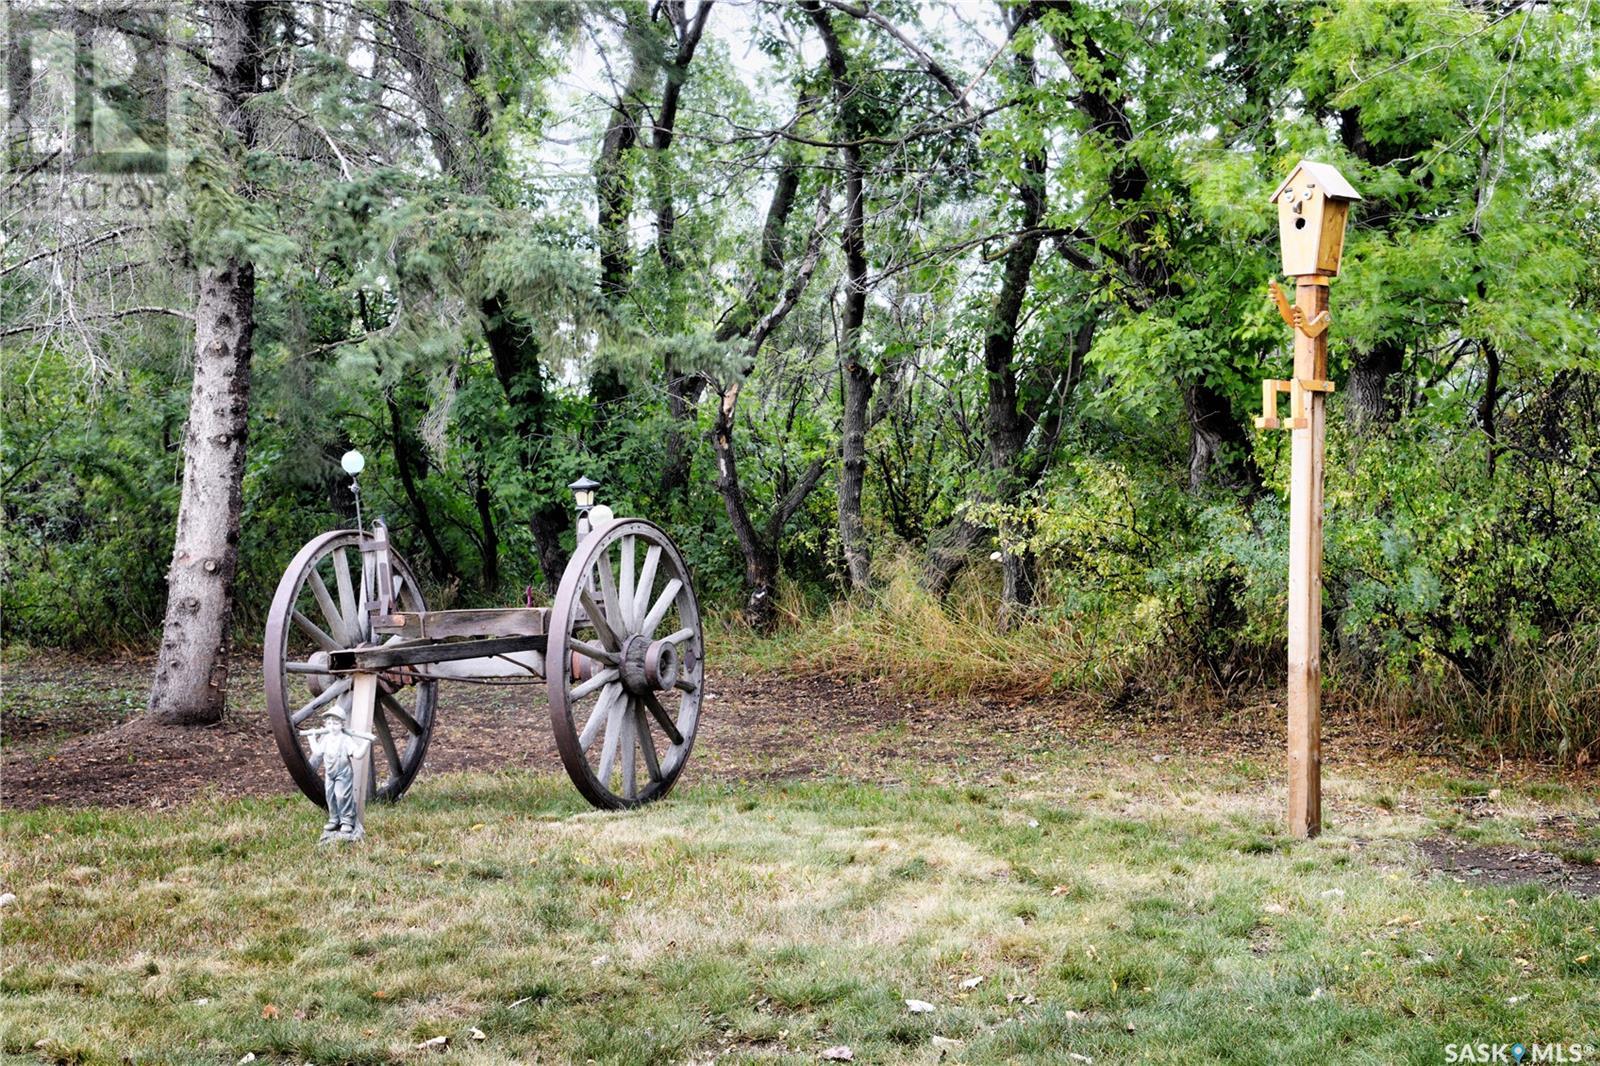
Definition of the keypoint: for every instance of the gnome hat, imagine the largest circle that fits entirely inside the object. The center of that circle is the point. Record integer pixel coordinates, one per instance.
(335, 710)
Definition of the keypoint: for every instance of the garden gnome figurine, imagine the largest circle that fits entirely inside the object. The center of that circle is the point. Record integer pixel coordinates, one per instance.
(336, 748)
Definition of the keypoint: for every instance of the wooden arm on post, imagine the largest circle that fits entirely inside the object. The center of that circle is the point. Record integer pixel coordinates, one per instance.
(1297, 389)
(1284, 307)
(1294, 317)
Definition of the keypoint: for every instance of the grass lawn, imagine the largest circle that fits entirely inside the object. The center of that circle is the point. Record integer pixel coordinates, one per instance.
(1096, 907)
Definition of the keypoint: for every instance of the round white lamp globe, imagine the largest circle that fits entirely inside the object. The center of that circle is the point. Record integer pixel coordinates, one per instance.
(599, 515)
(353, 462)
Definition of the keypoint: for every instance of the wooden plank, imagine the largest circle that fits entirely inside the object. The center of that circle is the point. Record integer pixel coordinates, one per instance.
(493, 622)
(1305, 575)
(363, 696)
(411, 653)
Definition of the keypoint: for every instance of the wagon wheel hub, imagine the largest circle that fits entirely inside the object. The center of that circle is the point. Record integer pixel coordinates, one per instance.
(647, 665)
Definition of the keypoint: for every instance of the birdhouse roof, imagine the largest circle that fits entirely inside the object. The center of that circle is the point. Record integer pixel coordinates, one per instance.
(1331, 180)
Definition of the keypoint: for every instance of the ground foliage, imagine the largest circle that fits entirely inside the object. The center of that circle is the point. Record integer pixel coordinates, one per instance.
(392, 237)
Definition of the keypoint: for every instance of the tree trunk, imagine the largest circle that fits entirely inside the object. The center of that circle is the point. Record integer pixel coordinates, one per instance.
(856, 380)
(1370, 402)
(191, 677)
(1219, 449)
(483, 501)
(614, 205)
(515, 352)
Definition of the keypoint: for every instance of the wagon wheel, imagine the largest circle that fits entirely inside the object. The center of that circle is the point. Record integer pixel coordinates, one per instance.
(625, 665)
(321, 606)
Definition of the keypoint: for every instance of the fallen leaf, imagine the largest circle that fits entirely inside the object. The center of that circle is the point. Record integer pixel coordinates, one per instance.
(972, 982)
(7, 898)
(1061, 890)
(437, 1042)
(838, 1053)
(380, 994)
(476, 826)
(919, 1006)
(1581, 959)
(945, 1042)
(249, 1056)
(1075, 1057)
(269, 1011)
(476, 1033)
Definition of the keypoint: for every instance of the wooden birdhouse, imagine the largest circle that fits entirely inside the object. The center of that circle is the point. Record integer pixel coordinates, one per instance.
(1313, 204)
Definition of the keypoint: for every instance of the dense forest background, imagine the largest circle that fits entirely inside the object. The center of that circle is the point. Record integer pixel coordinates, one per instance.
(932, 332)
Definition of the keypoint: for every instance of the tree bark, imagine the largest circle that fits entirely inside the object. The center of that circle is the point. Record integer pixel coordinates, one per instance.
(1370, 402)
(191, 678)
(856, 380)
(1219, 448)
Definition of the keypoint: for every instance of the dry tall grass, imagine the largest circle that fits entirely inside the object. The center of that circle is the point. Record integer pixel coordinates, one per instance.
(1540, 700)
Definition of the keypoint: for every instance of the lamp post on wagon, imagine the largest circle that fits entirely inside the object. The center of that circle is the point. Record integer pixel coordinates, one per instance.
(1313, 206)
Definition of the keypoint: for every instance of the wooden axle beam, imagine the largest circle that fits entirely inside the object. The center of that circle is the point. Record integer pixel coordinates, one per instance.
(389, 656)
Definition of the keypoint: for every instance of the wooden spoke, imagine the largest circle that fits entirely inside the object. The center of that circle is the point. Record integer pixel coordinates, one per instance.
(600, 680)
(597, 619)
(329, 694)
(608, 589)
(594, 651)
(625, 592)
(662, 605)
(647, 744)
(663, 719)
(682, 634)
(630, 769)
(602, 708)
(380, 726)
(347, 595)
(647, 581)
(330, 613)
(392, 705)
(314, 631)
(367, 596)
(608, 750)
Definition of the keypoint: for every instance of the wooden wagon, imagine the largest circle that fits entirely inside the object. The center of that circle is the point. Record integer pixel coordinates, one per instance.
(620, 653)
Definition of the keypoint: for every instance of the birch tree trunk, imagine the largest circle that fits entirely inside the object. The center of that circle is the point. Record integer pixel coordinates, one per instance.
(191, 677)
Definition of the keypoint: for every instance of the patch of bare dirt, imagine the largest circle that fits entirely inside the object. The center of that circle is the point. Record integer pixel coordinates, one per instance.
(1507, 866)
(71, 734)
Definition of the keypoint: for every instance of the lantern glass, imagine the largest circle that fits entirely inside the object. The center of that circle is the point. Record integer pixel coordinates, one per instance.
(583, 492)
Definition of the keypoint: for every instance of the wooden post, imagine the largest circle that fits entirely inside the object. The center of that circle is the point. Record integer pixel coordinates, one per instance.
(1305, 568)
(363, 698)
(1313, 204)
